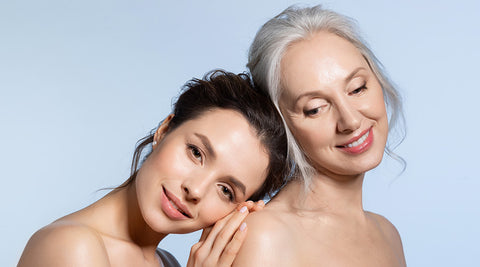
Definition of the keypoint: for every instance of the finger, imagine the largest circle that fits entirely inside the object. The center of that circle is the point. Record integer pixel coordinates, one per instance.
(231, 250)
(206, 231)
(227, 233)
(194, 256)
(249, 204)
(259, 206)
(217, 227)
(202, 249)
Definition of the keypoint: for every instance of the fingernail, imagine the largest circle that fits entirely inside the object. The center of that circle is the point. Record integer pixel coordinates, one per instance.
(243, 226)
(243, 209)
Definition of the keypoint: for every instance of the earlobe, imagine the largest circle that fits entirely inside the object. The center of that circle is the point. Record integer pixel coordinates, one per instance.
(161, 131)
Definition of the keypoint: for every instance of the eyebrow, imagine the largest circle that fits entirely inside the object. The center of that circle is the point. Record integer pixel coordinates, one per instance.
(237, 183)
(315, 92)
(354, 72)
(206, 143)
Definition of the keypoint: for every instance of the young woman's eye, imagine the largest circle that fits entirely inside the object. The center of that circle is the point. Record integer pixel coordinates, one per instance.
(195, 152)
(359, 90)
(227, 192)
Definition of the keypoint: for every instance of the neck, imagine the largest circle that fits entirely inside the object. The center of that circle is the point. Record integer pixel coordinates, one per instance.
(127, 222)
(335, 195)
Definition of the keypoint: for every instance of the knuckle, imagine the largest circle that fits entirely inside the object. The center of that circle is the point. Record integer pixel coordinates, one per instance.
(229, 252)
(218, 226)
(209, 262)
(224, 235)
(200, 253)
(195, 247)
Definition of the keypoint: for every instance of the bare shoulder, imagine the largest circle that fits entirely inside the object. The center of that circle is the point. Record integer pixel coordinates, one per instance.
(391, 233)
(267, 236)
(386, 226)
(65, 243)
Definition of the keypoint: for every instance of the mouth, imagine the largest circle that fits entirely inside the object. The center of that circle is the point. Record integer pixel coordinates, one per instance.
(360, 143)
(176, 204)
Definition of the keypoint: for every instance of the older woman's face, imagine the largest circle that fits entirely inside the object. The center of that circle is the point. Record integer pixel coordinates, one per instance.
(334, 105)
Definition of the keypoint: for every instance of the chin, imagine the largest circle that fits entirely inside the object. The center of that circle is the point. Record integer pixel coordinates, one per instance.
(184, 231)
(348, 167)
(172, 227)
(367, 164)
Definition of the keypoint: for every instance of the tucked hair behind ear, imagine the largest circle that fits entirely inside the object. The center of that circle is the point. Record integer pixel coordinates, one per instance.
(224, 90)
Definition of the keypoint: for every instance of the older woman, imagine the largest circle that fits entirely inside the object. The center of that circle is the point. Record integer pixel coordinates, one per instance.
(333, 96)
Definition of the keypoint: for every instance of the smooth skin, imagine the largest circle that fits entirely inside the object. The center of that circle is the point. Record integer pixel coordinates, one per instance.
(331, 98)
(202, 163)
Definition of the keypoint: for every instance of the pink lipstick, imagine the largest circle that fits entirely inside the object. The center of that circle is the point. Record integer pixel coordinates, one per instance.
(173, 207)
(359, 144)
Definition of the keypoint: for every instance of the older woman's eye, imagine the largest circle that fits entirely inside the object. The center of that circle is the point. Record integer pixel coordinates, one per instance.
(227, 192)
(196, 153)
(311, 112)
(315, 106)
(359, 89)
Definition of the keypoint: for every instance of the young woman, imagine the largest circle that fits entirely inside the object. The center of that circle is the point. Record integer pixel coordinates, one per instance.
(333, 96)
(222, 145)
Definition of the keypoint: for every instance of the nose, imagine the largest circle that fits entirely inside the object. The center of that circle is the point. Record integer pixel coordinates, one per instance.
(195, 188)
(349, 118)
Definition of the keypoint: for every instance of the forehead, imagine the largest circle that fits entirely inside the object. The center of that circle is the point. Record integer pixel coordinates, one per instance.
(238, 150)
(323, 59)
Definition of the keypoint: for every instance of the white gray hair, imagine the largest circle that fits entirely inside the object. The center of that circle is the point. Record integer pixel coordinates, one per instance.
(299, 23)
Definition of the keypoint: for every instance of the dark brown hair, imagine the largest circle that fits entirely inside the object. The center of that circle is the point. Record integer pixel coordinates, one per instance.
(225, 90)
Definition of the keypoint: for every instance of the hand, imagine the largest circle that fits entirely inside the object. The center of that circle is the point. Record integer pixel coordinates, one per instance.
(219, 244)
(253, 206)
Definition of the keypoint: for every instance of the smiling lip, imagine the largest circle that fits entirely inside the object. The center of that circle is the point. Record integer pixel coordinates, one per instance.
(173, 207)
(360, 143)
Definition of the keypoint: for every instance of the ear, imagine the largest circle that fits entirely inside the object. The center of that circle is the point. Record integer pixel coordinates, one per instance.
(161, 131)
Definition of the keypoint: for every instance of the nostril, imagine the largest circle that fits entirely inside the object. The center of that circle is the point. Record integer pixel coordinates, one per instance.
(191, 195)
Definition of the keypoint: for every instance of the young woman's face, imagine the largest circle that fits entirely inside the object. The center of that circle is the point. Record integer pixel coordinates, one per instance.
(200, 171)
(334, 105)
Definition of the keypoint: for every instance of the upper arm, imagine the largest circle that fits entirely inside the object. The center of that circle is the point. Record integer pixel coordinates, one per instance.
(64, 245)
(263, 244)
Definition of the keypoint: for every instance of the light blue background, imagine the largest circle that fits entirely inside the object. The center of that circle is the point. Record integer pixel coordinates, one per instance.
(82, 81)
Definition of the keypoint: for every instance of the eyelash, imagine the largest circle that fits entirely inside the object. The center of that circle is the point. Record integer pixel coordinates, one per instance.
(195, 152)
(229, 193)
(311, 112)
(315, 111)
(359, 89)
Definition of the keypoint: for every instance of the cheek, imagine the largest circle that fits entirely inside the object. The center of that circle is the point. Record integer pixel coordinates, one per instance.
(214, 210)
(379, 112)
(309, 134)
(374, 108)
(169, 163)
(145, 177)
(156, 170)
(377, 107)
